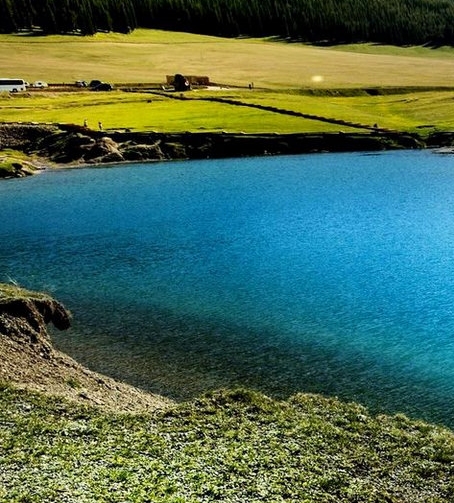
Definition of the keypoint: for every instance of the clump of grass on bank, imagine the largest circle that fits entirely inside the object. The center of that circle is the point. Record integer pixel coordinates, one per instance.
(11, 291)
(14, 163)
(231, 446)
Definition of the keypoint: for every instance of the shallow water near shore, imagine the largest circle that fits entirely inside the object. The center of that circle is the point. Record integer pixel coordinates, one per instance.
(328, 273)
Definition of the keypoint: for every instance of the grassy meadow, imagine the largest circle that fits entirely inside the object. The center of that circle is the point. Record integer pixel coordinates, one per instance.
(230, 446)
(413, 111)
(145, 112)
(150, 55)
(282, 74)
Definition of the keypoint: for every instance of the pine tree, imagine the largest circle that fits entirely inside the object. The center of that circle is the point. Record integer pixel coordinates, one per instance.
(7, 21)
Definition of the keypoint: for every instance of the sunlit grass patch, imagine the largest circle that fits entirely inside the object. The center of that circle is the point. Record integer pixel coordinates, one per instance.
(12, 162)
(229, 446)
(9, 291)
(405, 112)
(145, 112)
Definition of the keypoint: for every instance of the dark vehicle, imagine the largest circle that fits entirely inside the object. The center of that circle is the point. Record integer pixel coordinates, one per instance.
(181, 83)
(104, 86)
(94, 83)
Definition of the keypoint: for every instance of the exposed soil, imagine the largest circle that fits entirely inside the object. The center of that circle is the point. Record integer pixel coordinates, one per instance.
(73, 145)
(29, 361)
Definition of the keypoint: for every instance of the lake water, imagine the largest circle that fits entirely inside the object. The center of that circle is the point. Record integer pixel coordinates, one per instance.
(327, 273)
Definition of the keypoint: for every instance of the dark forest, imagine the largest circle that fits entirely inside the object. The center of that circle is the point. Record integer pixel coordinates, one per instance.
(397, 22)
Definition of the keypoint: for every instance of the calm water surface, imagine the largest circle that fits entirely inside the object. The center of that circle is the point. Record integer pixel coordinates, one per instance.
(329, 273)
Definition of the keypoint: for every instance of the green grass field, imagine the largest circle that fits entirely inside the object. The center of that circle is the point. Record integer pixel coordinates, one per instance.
(144, 112)
(421, 112)
(281, 72)
(230, 446)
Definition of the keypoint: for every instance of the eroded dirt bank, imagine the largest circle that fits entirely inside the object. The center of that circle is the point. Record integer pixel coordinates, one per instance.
(74, 145)
(29, 360)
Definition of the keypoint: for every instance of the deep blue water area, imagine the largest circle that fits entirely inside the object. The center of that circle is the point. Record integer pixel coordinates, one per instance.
(327, 273)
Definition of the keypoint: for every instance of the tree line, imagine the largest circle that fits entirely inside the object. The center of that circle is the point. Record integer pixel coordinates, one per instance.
(398, 22)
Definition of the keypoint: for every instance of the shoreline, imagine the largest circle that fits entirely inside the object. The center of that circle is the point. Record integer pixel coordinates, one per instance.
(30, 361)
(65, 145)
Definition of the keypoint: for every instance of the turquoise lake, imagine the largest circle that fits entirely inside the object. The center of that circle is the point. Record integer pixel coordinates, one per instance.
(326, 273)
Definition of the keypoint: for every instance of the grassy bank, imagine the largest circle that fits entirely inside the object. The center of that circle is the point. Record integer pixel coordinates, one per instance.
(145, 112)
(14, 163)
(229, 446)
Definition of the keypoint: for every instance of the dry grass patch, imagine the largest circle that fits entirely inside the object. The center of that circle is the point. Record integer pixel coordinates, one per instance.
(149, 55)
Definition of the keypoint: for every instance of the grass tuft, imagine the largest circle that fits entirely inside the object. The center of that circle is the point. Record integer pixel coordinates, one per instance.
(12, 291)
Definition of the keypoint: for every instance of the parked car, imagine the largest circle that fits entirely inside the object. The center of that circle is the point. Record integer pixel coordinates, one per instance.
(40, 84)
(81, 83)
(104, 86)
(94, 83)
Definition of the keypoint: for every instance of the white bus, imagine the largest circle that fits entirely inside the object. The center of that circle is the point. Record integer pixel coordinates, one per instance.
(12, 85)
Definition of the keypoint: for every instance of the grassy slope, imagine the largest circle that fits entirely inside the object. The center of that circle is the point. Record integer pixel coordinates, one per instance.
(406, 111)
(148, 55)
(234, 446)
